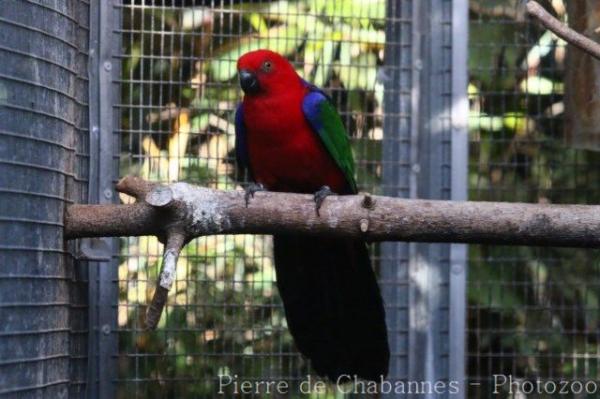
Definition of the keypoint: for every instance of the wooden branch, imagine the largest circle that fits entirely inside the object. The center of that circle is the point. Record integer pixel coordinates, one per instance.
(175, 243)
(571, 36)
(196, 211)
(179, 212)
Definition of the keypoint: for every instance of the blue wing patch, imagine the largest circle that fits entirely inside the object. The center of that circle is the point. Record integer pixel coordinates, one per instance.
(311, 109)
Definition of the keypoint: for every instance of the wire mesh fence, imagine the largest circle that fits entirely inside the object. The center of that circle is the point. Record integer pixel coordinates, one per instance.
(179, 93)
(532, 313)
(44, 159)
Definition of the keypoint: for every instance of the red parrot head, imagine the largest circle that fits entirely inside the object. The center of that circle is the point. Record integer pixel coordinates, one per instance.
(264, 71)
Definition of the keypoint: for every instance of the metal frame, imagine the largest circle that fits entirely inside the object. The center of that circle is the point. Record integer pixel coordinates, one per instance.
(429, 303)
(103, 172)
(460, 159)
(435, 167)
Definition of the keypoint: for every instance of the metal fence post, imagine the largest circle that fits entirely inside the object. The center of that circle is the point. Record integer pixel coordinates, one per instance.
(427, 313)
(460, 158)
(103, 69)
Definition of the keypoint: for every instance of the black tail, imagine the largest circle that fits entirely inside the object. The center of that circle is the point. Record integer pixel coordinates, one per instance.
(333, 305)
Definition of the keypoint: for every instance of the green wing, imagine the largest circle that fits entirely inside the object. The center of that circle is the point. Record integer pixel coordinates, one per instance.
(326, 122)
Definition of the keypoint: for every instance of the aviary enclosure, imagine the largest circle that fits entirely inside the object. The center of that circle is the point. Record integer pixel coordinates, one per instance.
(442, 99)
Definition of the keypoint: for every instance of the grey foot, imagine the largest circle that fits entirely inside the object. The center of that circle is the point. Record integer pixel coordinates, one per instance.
(250, 190)
(320, 196)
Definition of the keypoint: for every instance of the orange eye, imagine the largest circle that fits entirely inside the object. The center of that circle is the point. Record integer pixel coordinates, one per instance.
(267, 66)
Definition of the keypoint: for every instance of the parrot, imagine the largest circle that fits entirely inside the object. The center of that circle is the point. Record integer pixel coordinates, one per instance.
(290, 138)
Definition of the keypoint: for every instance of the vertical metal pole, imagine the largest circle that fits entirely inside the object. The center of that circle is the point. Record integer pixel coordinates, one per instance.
(103, 173)
(460, 174)
(428, 262)
(427, 315)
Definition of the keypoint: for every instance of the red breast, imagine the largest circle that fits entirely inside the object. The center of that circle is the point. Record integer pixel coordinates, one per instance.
(285, 153)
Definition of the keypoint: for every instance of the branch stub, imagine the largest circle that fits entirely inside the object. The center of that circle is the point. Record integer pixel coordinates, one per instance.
(160, 196)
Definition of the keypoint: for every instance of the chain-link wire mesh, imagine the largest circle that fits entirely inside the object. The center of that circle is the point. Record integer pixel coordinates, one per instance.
(44, 160)
(179, 93)
(532, 313)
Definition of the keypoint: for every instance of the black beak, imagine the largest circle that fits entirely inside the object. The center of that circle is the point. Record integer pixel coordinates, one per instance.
(248, 82)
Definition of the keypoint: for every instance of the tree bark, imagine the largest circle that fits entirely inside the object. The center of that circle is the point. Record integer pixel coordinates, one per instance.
(569, 35)
(196, 211)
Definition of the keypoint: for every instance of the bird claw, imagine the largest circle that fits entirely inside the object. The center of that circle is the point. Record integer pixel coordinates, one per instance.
(250, 190)
(320, 196)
